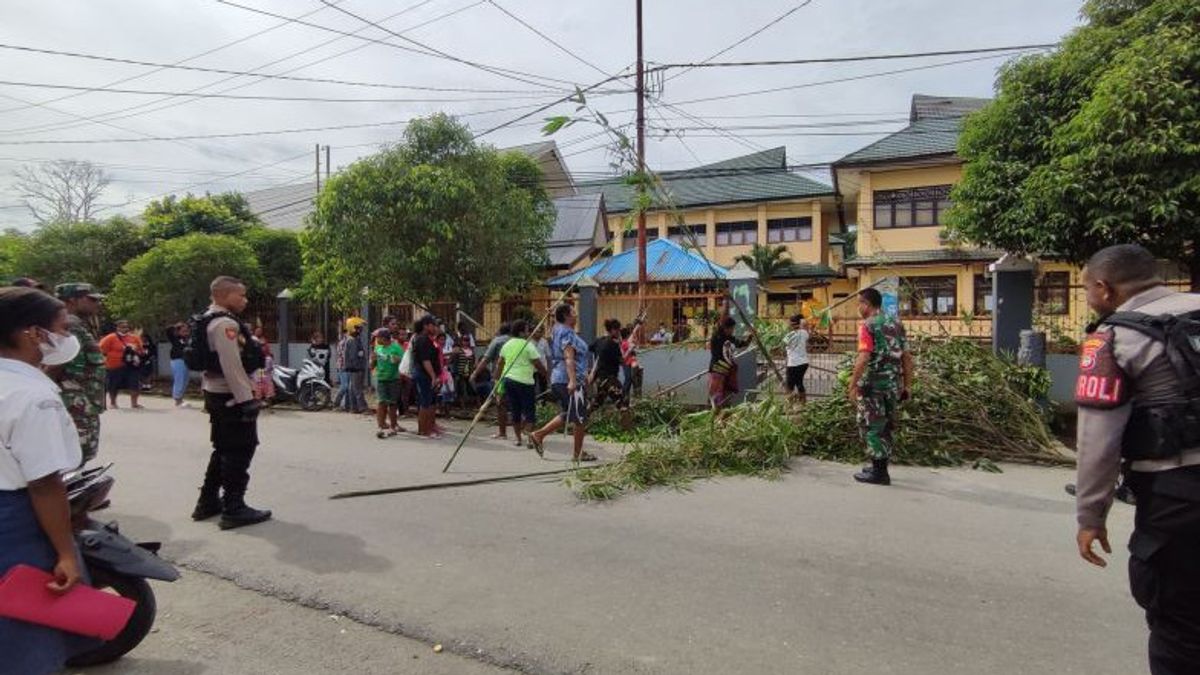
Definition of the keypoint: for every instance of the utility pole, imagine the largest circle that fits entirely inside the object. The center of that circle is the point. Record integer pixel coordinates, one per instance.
(318, 168)
(641, 163)
(328, 165)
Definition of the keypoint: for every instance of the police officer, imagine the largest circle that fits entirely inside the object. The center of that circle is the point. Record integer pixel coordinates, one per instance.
(1139, 411)
(229, 398)
(881, 379)
(82, 379)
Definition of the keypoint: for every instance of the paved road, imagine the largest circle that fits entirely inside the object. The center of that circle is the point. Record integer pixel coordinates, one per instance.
(208, 626)
(946, 572)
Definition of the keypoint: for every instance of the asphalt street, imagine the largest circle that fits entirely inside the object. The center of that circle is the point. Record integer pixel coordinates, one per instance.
(946, 572)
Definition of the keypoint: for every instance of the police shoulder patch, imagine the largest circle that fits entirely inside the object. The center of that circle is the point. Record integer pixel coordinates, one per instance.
(1102, 383)
(232, 333)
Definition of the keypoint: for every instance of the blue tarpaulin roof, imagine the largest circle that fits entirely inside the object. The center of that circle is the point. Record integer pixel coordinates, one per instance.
(665, 261)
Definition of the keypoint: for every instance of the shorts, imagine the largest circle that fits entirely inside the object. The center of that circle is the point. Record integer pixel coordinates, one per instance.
(795, 378)
(425, 393)
(522, 401)
(722, 387)
(123, 378)
(572, 409)
(388, 391)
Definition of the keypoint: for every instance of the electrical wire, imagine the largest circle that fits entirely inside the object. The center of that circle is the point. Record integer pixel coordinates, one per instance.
(290, 78)
(745, 39)
(549, 39)
(262, 97)
(851, 59)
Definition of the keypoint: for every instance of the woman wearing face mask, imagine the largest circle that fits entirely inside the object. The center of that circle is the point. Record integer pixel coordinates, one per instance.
(38, 442)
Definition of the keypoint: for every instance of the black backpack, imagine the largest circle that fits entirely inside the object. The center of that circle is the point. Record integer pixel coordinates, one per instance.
(198, 356)
(1164, 430)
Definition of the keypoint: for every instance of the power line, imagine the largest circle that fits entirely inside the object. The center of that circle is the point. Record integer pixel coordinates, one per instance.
(549, 39)
(427, 51)
(142, 106)
(745, 39)
(263, 97)
(182, 61)
(242, 134)
(290, 78)
(850, 59)
(838, 80)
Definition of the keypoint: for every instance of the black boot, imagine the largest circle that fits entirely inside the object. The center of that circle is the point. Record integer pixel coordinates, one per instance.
(207, 506)
(238, 514)
(876, 474)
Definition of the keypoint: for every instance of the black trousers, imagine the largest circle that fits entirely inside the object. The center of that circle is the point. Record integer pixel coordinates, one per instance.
(1164, 566)
(234, 438)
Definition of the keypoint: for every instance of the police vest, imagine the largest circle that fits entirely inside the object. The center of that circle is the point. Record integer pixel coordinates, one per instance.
(199, 355)
(1159, 429)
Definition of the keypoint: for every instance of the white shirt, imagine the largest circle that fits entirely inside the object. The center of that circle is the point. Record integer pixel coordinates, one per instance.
(797, 347)
(37, 436)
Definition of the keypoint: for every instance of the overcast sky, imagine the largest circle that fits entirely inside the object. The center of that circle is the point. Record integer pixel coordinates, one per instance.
(211, 34)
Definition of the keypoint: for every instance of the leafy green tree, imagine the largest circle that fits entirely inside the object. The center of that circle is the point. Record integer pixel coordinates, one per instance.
(12, 245)
(1096, 143)
(173, 216)
(170, 281)
(766, 261)
(278, 254)
(434, 217)
(91, 252)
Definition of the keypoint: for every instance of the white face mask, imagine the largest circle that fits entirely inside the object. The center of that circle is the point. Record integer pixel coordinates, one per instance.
(61, 349)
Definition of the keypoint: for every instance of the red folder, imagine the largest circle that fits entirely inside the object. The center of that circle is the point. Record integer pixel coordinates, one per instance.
(83, 609)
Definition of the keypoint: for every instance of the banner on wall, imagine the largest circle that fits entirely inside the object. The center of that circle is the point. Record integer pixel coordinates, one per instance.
(889, 288)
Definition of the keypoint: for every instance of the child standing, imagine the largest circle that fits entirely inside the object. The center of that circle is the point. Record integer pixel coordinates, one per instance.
(385, 359)
(796, 342)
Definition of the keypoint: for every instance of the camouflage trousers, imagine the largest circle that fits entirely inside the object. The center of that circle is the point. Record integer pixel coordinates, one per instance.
(877, 409)
(89, 435)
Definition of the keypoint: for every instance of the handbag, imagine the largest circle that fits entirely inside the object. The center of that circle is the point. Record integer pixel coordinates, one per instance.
(406, 365)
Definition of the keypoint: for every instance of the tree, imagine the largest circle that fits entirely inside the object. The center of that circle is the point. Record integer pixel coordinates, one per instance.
(89, 252)
(62, 191)
(435, 217)
(170, 281)
(766, 261)
(1097, 143)
(278, 254)
(172, 216)
(12, 246)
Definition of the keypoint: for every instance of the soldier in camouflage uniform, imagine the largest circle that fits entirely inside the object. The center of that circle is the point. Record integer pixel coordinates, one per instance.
(880, 381)
(82, 380)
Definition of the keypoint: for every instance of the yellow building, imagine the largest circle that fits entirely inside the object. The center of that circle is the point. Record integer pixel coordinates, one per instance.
(896, 192)
(729, 206)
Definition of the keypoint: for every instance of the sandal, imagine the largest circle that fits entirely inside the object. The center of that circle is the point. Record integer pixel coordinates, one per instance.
(537, 446)
(518, 442)
(499, 436)
(586, 457)
(381, 434)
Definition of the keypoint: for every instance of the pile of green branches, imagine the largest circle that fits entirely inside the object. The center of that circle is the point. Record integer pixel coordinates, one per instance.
(966, 407)
(648, 418)
(752, 439)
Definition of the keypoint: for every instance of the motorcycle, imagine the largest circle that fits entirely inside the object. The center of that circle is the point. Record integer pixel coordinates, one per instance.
(306, 386)
(113, 563)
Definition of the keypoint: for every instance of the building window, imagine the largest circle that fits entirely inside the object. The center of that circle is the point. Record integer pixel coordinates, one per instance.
(911, 207)
(741, 233)
(629, 241)
(929, 296)
(782, 305)
(984, 302)
(784, 230)
(1054, 293)
(678, 234)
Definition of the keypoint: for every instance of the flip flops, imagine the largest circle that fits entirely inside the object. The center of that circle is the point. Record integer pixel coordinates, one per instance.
(586, 457)
(537, 446)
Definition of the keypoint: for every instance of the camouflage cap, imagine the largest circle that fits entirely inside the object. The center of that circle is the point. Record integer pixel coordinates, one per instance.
(77, 290)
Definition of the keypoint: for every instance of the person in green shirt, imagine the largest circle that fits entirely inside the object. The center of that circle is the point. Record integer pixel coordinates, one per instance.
(519, 360)
(386, 362)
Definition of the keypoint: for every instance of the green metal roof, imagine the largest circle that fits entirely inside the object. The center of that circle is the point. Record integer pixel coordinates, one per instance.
(805, 271)
(762, 176)
(934, 125)
(926, 256)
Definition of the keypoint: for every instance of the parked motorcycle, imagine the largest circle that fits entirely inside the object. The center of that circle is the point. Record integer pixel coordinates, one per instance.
(114, 563)
(306, 386)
